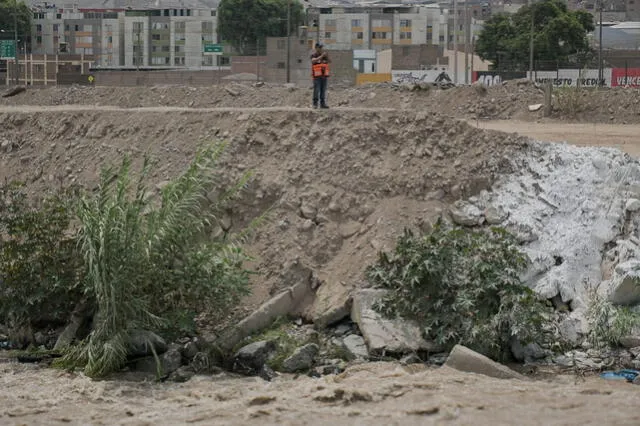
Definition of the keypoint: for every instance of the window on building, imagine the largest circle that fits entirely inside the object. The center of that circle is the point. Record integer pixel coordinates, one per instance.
(405, 22)
(66, 28)
(110, 40)
(358, 35)
(406, 51)
(224, 60)
(138, 26)
(38, 16)
(56, 28)
(405, 35)
(166, 48)
(281, 65)
(441, 39)
(39, 28)
(77, 28)
(281, 44)
(207, 27)
(87, 50)
(178, 49)
(58, 15)
(155, 37)
(330, 23)
(38, 39)
(207, 60)
(380, 23)
(180, 26)
(356, 22)
(379, 35)
(327, 35)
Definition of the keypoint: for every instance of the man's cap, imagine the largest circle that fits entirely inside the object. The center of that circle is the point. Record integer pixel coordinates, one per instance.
(318, 44)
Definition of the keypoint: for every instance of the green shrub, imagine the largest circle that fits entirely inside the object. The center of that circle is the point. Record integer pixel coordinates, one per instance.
(38, 264)
(462, 286)
(145, 264)
(608, 324)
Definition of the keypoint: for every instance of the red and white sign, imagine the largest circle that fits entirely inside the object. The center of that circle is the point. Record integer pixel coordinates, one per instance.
(621, 77)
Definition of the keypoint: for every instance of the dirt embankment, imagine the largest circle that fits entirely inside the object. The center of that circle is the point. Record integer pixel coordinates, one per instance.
(342, 184)
(508, 101)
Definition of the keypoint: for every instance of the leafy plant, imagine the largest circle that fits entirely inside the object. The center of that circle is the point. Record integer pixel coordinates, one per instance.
(245, 23)
(462, 286)
(145, 263)
(608, 324)
(558, 34)
(570, 100)
(38, 266)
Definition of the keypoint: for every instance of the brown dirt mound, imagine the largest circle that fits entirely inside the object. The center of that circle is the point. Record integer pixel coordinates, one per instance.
(510, 100)
(343, 185)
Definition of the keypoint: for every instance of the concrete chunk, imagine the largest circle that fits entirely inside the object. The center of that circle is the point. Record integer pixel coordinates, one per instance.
(382, 335)
(464, 359)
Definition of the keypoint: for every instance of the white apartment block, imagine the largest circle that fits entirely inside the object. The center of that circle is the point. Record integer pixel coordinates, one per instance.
(380, 27)
(168, 38)
(146, 38)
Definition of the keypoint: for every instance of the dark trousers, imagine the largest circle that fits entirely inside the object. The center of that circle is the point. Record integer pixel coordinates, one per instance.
(320, 91)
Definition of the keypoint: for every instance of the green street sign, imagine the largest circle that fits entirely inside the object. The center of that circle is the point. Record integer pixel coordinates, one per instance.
(7, 49)
(213, 48)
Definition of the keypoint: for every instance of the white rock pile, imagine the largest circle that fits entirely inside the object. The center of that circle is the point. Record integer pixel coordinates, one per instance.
(577, 213)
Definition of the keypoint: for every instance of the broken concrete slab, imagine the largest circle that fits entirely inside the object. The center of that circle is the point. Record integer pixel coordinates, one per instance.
(285, 303)
(535, 107)
(356, 346)
(332, 304)
(384, 335)
(625, 285)
(464, 359)
(466, 214)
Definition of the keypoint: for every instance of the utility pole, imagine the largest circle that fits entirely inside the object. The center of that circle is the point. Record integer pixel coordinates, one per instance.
(466, 42)
(288, 41)
(15, 40)
(600, 70)
(531, 42)
(455, 41)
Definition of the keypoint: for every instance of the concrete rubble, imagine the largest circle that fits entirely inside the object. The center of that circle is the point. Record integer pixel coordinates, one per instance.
(382, 335)
(464, 359)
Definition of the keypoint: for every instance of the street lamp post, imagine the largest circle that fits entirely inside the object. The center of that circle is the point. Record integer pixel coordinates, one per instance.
(15, 40)
(288, 41)
(600, 70)
(531, 41)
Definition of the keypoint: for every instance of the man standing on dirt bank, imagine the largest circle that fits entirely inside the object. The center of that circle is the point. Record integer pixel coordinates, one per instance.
(320, 73)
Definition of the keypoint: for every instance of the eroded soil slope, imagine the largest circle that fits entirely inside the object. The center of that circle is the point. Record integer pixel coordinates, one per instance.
(342, 184)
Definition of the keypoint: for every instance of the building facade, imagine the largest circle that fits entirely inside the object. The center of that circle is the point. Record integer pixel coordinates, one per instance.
(135, 38)
(379, 27)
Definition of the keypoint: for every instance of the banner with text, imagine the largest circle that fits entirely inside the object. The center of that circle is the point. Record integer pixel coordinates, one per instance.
(571, 77)
(414, 76)
(496, 78)
(623, 77)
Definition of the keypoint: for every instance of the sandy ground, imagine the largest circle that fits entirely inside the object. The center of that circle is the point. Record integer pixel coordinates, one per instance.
(625, 137)
(371, 394)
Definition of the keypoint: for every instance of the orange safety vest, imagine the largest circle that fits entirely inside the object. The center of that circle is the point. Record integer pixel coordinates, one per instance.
(320, 70)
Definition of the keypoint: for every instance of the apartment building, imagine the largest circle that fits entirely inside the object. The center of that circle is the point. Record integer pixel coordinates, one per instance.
(168, 37)
(92, 32)
(379, 27)
(156, 37)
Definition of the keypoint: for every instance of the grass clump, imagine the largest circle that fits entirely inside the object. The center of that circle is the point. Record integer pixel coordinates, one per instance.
(462, 287)
(138, 263)
(608, 324)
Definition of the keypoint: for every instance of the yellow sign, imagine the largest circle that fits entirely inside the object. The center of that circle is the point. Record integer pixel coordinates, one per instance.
(91, 79)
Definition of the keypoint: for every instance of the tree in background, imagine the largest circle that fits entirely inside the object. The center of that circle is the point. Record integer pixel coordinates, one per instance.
(8, 8)
(559, 35)
(245, 23)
